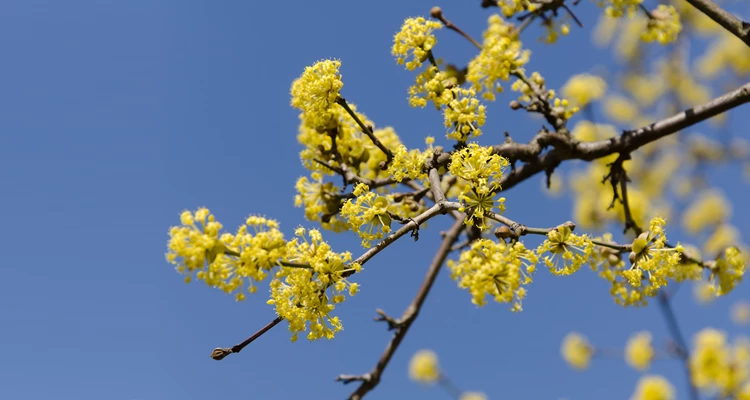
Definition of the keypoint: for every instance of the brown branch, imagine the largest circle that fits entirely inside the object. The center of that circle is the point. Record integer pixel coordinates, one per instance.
(437, 13)
(372, 378)
(734, 25)
(628, 141)
(367, 130)
(219, 353)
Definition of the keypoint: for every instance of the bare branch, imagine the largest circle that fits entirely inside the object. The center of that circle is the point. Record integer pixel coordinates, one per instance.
(734, 25)
(371, 379)
(630, 140)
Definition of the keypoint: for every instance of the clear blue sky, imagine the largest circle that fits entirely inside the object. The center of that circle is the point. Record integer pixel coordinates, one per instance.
(117, 115)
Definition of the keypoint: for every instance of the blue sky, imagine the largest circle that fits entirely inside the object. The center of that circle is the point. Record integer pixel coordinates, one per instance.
(116, 116)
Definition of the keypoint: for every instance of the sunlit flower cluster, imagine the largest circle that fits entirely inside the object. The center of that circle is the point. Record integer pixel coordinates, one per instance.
(618, 8)
(225, 261)
(582, 89)
(663, 26)
(464, 115)
(638, 352)
(577, 351)
(316, 92)
(495, 269)
(416, 40)
(424, 367)
(500, 56)
(715, 364)
(483, 171)
(367, 215)
(311, 284)
(432, 85)
(654, 387)
(567, 251)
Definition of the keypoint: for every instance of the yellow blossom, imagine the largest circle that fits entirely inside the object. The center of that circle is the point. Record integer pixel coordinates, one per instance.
(313, 280)
(741, 313)
(415, 39)
(653, 387)
(618, 8)
(639, 352)
(583, 89)
(424, 367)
(500, 56)
(663, 26)
(572, 249)
(316, 91)
(710, 208)
(497, 269)
(620, 109)
(367, 214)
(483, 171)
(464, 115)
(472, 396)
(577, 351)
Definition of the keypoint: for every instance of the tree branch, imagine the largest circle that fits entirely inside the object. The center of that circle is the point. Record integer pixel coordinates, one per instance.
(629, 140)
(734, 25)
(371, 379)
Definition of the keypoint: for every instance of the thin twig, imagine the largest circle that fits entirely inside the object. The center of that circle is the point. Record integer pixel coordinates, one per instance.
(219, 353)
(437, 13)
(371, 379)
(676, 332)
(367, 130)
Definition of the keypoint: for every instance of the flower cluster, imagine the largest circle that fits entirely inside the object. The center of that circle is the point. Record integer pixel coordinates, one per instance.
(321, 201)
(500, 56)
(512, 7)
(367, 215)
(663, 26)
(424, 367)
(577, 351)
(463, 114)
(618, 8)
(727, 271)
(496, 269)
(311, 284)
(582, 89)
(533, 91)
(432, 85)
(716, 365)
(483, 171)
(654, 387)
(652, 260)
(638, 352)
(568, 251)
(316, 92)
(415, 39)
(225, 261)
(408, 164)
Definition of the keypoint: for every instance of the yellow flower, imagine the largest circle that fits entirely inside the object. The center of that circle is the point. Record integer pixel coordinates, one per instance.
(727, 271)
(306, 291)
(316, 91)
(225, 261)
(638, 351)
(653, 387)
(367, 214)
(572, 249)
(424, 367)
(483, 171)
(724, 235)
(714, 365)
(620, 109)
(741, 313)
(710, 208)
(501, 55)
(472, 396)
(583, 89)
(652, 259)
(415, 39)
(618, 8)
(464, 115)
(497, 269)
(434, 85)
(664, 26)
(577, 351)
